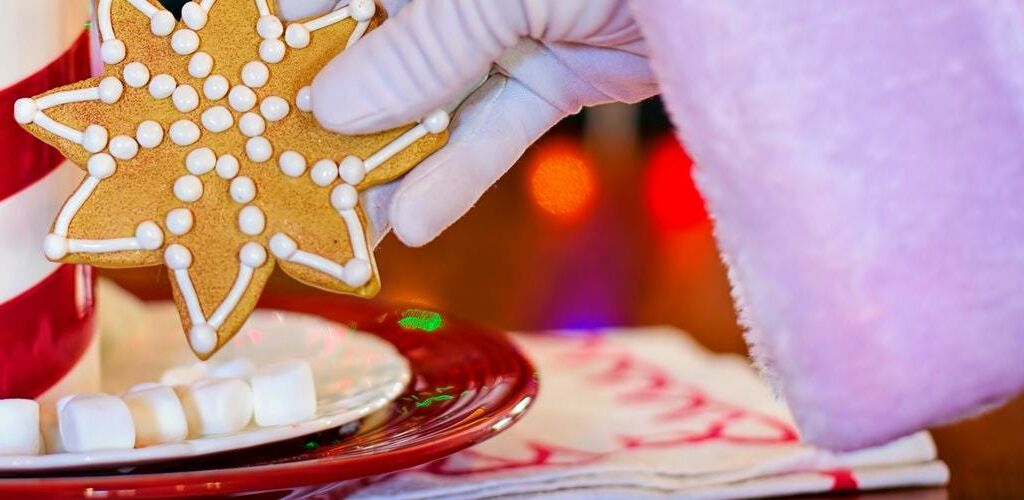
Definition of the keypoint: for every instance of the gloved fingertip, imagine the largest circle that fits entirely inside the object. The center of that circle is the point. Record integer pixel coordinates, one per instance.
(411, 224)
(342, 104)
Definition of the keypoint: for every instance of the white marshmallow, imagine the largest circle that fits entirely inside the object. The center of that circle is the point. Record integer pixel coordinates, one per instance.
(283, 393)
(94, 422)
(19, 427)
(240, 368)
(216, 405)
(184, 375)
(158, 414)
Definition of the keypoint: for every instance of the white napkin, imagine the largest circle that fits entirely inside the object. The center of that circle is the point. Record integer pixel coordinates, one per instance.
(647, 412)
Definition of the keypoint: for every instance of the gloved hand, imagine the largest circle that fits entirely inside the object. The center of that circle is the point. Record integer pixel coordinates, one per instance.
(553, 57)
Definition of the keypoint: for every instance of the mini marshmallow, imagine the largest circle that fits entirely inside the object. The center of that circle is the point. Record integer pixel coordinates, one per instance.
(19, 427)
(238, 368)
(184, 375)
(283, 393)
(157, 413)
(94, 422)
(216, 405)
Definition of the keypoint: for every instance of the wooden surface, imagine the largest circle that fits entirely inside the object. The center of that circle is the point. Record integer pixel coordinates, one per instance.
(509, 265)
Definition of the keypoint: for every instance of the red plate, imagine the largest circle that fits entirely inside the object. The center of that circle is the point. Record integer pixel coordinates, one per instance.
(468, 384)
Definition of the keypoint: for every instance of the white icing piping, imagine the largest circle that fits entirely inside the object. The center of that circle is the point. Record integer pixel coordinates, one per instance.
(103, 246)
(188, 292)
(74, 204)
(396, 146)
(316, 262)
(144, 7)
(358, 33)
(328, 19)
(57, 128)
(208, 4)
(360, 249)
(103, 15)
(68, 97)
(245, 274)
(261, 5)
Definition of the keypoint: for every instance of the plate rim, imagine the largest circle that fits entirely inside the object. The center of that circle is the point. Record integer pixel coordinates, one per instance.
(282, 476)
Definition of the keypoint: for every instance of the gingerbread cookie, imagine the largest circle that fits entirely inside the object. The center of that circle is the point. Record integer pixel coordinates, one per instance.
(202, 155)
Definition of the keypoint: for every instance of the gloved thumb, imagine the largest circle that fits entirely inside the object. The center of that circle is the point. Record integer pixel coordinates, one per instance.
(421, 60)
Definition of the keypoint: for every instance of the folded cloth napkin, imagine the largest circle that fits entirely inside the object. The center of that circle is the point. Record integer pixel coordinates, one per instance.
(629, 413)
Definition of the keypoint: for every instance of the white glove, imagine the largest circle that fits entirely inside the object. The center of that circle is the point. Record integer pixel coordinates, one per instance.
(553, 56)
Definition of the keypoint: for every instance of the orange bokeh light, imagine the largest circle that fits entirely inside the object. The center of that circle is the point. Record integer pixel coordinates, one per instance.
(561, 178)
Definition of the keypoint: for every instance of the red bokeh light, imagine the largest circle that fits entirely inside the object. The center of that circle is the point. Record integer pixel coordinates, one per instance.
(561, 178)
(671, 194)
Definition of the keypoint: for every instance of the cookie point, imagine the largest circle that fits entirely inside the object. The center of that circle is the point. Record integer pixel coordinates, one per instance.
(362, 10)
(112, 51)
(437, 122)
(282, 246)
(202, 338)
(101, 165)
(149, 235)
(177, 257)
(352, 170)
(162, 23)
(344, 197)
(297, 36)
(25, 110)
(253, 255)
(55, 246)
(357, 273)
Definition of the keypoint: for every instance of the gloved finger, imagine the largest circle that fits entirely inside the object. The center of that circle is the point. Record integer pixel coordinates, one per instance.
(376, 203)
(289, 10)
(418, 61)
(490, 132)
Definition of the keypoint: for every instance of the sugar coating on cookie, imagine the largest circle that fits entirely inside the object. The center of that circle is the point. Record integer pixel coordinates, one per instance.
(202, 152)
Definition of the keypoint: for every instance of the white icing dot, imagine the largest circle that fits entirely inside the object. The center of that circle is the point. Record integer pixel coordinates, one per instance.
(111, 90)
(200, 161)
(352, 170)
(362, 10)
(162, 23)
(188, 188)
(243, 189)
(193, 15)
(136, 74)
(251, 220)
(324, 172)
(55, 246)
(252, 254)
(25, 110)
(274, 108)
(255, 74)
(177, 257)
(185, 42)
(149, 235)
(259, 149)
(202, 338)
(252, 124)
(162, 86)
(344, 197)
(217, 119)
(297, 36)
(123, 147)
(269, 27)
(184, 132)
(215, 87)
(304, 99)
(112, 51)
(101, 166)
(357, 273)
(272, 51)
(179, 221)
(94, 138)
(292, 163)
(437, 122)
(227, 167)
(186, 98)
(242, 98)
(149, 134)
(200, 65)
(282, 246)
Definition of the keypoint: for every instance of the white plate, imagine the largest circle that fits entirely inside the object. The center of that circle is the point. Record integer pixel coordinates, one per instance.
(356, 374)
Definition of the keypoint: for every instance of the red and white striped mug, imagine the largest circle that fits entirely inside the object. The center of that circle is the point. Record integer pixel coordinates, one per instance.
(46, 309)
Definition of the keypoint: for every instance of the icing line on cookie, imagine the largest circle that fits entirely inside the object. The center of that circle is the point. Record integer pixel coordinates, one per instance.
(436, 123)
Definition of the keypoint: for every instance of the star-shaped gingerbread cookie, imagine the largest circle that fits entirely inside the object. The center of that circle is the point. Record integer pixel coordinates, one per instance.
(202, 155)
